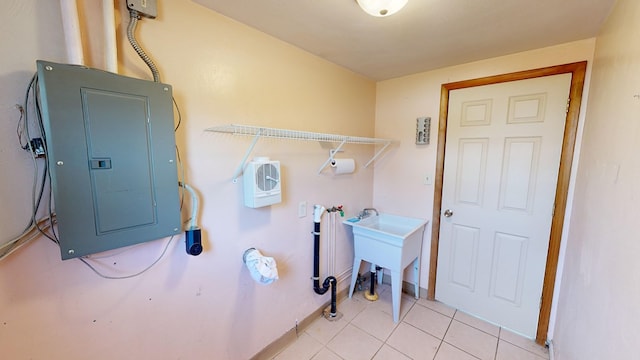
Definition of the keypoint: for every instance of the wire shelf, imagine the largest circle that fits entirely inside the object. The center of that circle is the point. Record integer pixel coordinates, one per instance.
(257, 132)
(249, 130)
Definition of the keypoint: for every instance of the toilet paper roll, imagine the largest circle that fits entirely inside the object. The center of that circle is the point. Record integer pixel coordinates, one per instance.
(343, 166)
(263, 269)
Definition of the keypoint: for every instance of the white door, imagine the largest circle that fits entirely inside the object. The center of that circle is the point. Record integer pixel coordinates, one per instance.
(502, 157)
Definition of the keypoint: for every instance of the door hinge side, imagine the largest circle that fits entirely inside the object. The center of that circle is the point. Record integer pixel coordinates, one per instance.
(566, 111)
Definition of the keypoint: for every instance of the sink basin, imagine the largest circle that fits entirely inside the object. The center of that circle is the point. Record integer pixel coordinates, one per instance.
(386, 227)
(392, 242)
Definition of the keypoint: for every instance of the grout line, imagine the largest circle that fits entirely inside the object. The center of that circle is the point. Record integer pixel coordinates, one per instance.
(520, 347)
(438, 349)
(471, 326)
(495, 355)
(464, 351)
(439, 312)
(445, 333)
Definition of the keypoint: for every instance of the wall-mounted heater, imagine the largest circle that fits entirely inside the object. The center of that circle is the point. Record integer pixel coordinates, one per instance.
(262, 185)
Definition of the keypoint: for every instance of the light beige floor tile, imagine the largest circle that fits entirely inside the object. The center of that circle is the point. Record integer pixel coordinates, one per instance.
(449, 352)
(354, 344)
(428, 320)
(375, 322)
(437, 306)
(508, 351)
(471, 340)
(384, 302)
(304, 348)
(326, 354)
(413, 342)
(524, 343)
(477, 323)
(324, 330)
(389, 353)
(350, 308)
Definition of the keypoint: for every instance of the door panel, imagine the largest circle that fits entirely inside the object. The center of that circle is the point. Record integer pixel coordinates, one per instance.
(500, 172)
(509, 255)
(472, 163)
(519, 173)
(464, 256)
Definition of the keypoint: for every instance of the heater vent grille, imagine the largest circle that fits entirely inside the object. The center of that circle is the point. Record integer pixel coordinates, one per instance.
(262, 185)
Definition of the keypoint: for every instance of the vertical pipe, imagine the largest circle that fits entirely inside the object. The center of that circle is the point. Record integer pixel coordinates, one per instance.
(372, 288)
(329, 282)
(110, 44)
(316, 259)
(71, 27)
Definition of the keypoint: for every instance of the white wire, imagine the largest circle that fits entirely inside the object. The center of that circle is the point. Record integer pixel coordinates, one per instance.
(27, 236)
(84, 260)
(194, 205)
(112, 254)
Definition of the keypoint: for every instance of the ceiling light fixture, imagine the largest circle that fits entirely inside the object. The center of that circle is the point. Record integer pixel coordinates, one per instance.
(381, 8)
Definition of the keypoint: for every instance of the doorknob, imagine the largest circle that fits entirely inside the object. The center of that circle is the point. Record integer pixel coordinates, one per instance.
(448, 213)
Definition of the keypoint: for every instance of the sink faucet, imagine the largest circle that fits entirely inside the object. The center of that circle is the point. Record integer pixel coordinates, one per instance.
(365, 212)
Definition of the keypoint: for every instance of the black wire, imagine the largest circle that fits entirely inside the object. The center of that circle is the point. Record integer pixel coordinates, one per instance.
(32, 90)
(25, 124)
(179, 114)
(181, 174)
(47, 172)
(178, 150)
(19, 129)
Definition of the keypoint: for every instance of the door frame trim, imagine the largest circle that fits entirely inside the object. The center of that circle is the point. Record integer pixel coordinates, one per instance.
(578, 73)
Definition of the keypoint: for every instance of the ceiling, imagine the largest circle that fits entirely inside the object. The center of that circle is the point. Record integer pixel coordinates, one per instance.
(425, 35)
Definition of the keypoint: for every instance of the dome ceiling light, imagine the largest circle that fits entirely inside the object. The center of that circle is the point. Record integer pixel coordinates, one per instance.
(381, 8)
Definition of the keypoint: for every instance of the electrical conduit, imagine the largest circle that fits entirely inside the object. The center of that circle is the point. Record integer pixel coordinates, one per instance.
(71, 27)
(131, 29)
(110, 43)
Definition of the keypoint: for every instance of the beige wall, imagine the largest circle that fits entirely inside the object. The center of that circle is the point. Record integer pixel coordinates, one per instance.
(223, 72)
(399, 182)
(598, 309)
(185, 307)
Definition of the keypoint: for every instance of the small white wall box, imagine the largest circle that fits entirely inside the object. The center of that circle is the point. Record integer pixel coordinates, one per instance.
(262, 185)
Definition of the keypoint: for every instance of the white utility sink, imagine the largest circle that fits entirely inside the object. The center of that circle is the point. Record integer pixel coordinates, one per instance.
(389, 241)
(386, 227)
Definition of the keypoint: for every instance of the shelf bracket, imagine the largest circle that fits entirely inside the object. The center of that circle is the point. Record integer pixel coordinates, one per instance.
(378, 153)
(240, 168)
(331, 153)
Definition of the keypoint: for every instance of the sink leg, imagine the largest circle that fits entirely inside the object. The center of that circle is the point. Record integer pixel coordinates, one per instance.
(396, 290)
(354, 275)
(416, 276)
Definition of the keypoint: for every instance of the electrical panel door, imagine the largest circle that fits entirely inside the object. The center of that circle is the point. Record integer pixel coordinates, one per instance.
(111, 151)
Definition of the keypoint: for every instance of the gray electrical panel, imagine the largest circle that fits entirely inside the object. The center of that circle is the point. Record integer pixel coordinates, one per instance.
(111, 152)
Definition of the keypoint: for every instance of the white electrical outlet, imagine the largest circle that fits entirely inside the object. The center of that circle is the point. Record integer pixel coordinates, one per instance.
(302, 209)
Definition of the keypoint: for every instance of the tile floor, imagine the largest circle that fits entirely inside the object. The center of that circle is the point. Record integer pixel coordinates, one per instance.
(427, 330)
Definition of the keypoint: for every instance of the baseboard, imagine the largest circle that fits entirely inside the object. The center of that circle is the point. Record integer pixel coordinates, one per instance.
(552, 351)
(291, 336)
(407, 287)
